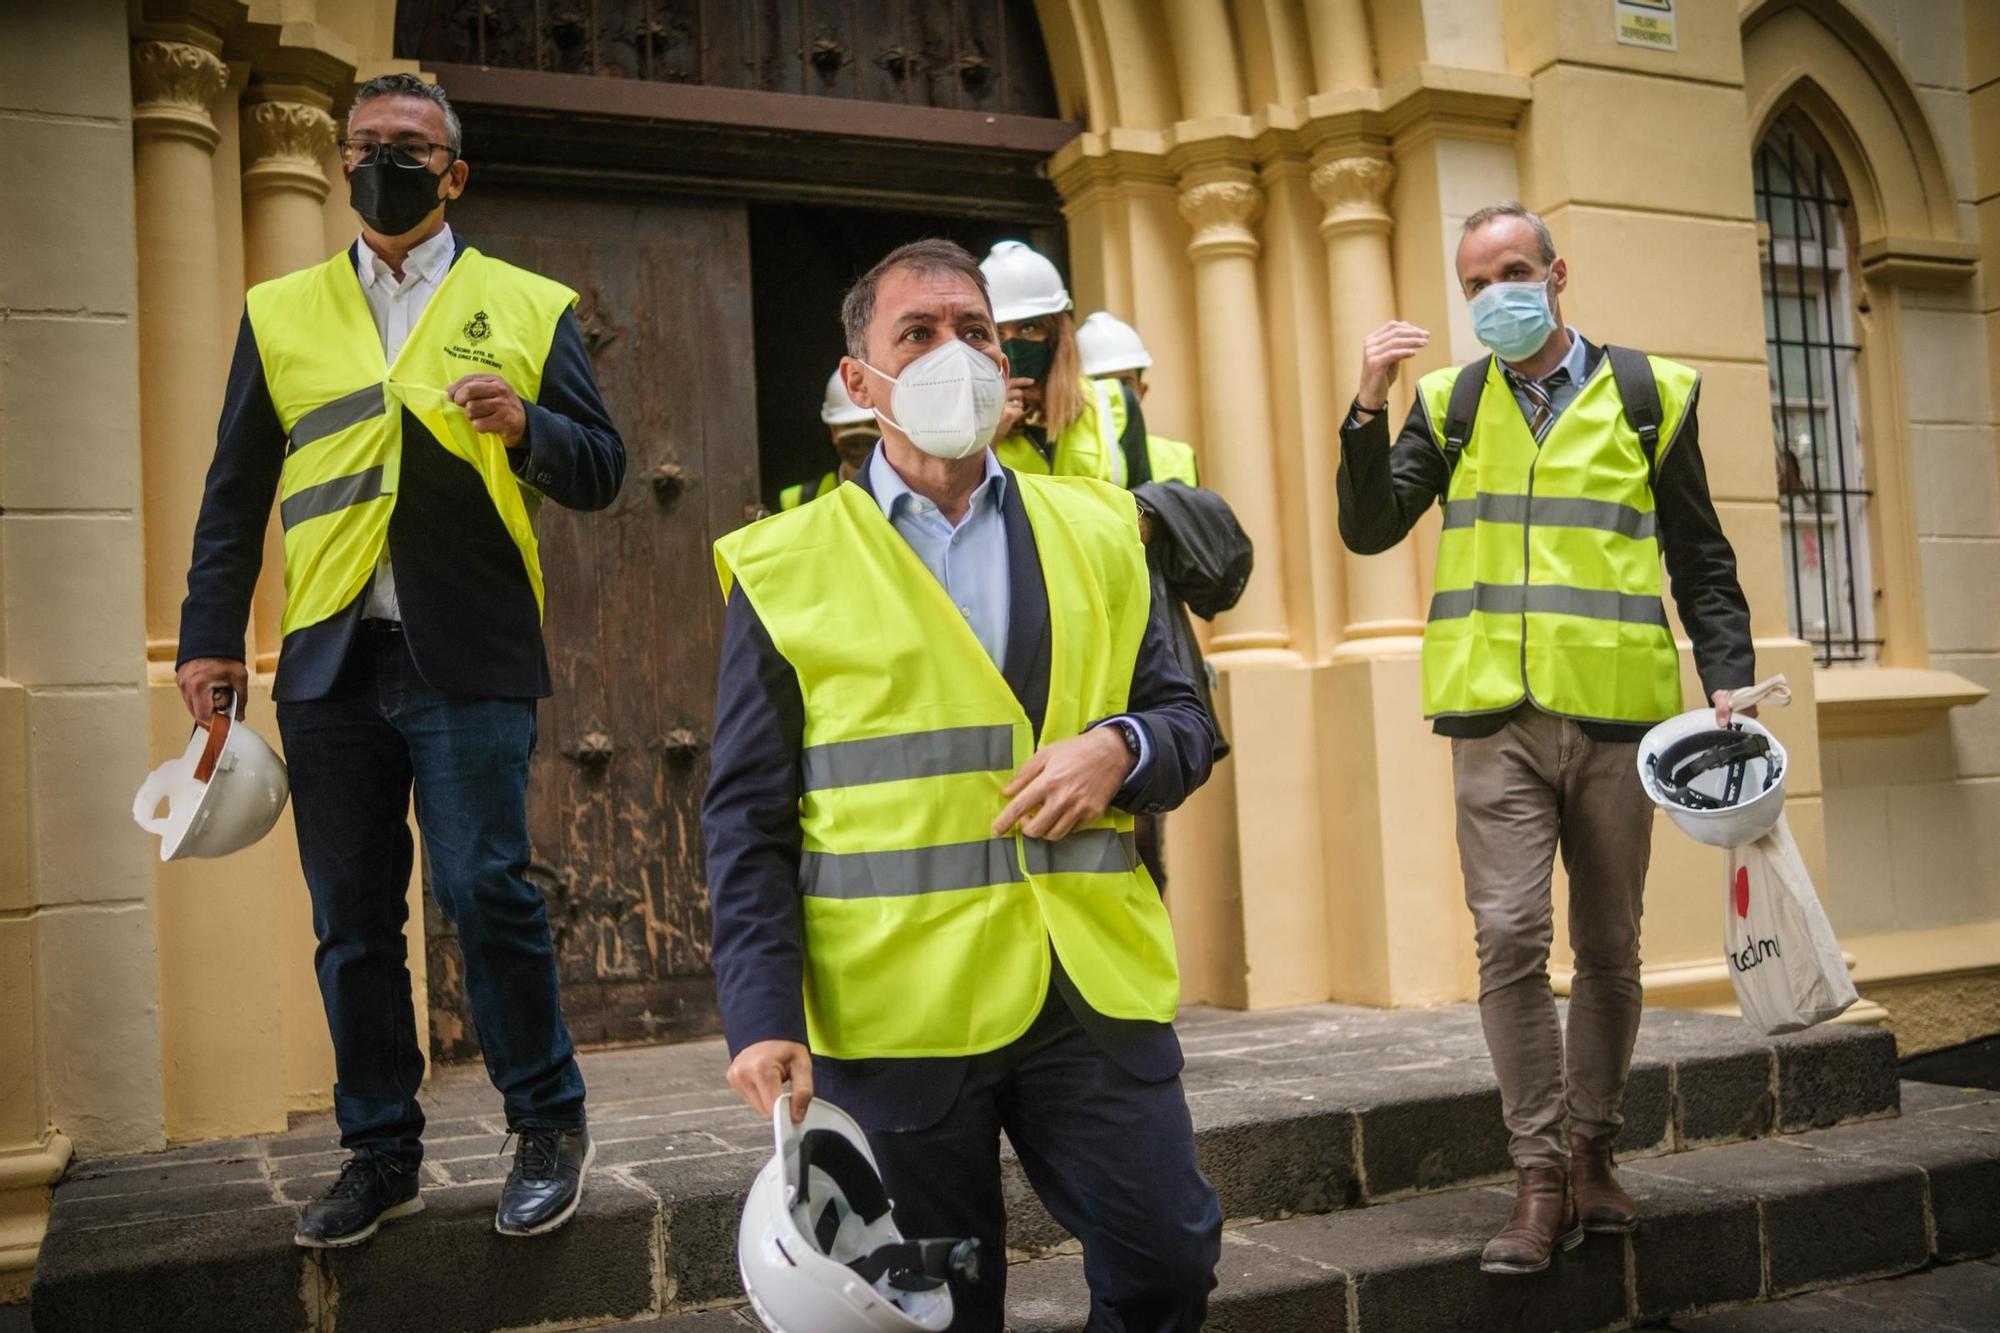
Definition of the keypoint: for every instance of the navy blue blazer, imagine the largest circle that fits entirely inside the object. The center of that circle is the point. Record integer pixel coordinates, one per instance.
(468, 611)
(750, 820)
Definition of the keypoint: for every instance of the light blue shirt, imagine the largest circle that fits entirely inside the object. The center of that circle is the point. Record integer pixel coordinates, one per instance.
(969, 560)
(1560, 395)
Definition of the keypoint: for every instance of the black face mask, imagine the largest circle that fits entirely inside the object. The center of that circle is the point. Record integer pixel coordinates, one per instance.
(1028, 358)
(392, 199)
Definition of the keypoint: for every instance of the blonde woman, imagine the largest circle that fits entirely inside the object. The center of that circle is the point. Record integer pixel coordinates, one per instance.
(1058, 420)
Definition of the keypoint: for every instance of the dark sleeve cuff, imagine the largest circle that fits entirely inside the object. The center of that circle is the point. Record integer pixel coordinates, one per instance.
(1142, 762)
(771, 1024)
(526, 465)
(227, 652)
(1359, 417)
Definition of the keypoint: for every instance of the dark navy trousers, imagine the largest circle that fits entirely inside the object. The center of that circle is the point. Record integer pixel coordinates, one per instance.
(355, 756)
(1111, 1156)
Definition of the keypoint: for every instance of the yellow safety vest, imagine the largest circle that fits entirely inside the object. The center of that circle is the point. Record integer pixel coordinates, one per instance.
(341, 406)
(1548, 570)
(1170, 460)
(795, 495)
(925, 935)
(1088, 448)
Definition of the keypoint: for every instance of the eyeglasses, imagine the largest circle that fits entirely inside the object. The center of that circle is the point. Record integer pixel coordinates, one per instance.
(410, 154)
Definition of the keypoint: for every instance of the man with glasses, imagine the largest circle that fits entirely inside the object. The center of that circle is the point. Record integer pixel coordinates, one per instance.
(409, 403)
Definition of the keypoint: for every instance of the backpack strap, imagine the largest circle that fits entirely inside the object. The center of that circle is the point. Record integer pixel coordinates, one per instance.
(1464, 407)
(1640, 393)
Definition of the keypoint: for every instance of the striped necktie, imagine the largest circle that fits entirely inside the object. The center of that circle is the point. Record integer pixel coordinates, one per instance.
(1540, 395)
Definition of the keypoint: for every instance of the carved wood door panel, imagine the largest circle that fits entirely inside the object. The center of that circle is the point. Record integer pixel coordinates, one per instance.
(633, 618)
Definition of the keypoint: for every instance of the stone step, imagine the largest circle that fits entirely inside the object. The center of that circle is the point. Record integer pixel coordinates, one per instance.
(1722, 1226)
(1307, 1111)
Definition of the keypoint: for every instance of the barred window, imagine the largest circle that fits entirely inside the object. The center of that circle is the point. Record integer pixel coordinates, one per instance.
(1813, 354)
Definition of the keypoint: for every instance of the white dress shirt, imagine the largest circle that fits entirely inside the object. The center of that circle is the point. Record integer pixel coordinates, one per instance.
(397, 306)
(970, 560)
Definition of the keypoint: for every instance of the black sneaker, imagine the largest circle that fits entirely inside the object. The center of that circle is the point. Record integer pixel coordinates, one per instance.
(369, 1192)
(546, 1184)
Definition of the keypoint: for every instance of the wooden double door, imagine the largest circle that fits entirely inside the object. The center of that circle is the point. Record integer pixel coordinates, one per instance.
(634, 617)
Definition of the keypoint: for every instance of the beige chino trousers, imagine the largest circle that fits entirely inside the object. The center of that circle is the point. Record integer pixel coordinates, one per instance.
(1536, 786)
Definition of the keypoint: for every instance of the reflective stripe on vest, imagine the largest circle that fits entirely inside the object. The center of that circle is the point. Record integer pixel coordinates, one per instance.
(1088, 448)
(343, 410)
(925, 935)
(1548, 579)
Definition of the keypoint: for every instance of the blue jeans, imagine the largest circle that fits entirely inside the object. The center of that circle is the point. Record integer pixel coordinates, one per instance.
(355, 754)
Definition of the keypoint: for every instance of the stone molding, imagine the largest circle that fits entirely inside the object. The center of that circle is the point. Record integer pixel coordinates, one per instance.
(1911, 261)
(1355, 191)
(173, 85)
(1222, 213)
(283, 147)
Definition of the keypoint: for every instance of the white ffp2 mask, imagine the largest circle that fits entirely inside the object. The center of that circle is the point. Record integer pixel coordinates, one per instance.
(947, 401)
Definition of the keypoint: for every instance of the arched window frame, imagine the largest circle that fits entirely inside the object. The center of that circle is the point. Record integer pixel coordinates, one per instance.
(1820, 61)
(1813, 313)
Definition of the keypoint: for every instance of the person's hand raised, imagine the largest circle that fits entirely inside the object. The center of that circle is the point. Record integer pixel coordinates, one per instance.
(1382, 353)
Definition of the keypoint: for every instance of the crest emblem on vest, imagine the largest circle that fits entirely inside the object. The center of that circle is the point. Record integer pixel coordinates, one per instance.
(477, 328)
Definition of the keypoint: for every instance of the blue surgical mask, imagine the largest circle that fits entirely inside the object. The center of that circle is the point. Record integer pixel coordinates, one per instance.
(1514, 318)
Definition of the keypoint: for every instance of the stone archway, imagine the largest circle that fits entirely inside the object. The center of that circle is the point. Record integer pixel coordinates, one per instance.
(1822, 57)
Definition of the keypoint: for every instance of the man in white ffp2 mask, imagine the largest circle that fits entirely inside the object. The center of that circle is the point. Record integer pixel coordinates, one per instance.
(944, 696)
(948, 399)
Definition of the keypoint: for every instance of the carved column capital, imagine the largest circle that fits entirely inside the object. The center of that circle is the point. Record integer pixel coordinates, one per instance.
(1221, 213)
(1355, 191)
(283, 145)
(173, 84)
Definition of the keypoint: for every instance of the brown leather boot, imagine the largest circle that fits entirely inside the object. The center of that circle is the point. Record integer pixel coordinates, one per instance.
(1601, 1202)
(1544, 1217)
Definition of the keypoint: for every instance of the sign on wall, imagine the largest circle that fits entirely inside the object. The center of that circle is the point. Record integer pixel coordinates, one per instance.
(1646, 23)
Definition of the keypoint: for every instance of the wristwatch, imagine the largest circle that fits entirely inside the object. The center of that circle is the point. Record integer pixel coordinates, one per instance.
(1129, 729)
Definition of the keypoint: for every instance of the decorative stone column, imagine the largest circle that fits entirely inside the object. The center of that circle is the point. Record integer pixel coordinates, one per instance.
(284, 194)
(1382, 611)
(174, 138)
(1220, 202)
(1342, 55)
(1204, 58)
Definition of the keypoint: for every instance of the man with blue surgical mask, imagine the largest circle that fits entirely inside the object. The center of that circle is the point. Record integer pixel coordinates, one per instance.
(1567, 470)
(944, 694)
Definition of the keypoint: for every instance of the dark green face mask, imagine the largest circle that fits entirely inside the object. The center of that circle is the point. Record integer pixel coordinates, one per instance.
(1029, 358)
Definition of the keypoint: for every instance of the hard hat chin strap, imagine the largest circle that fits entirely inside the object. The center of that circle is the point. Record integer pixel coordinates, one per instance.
(1676, 767)
(921, 1265)
(910, 1265)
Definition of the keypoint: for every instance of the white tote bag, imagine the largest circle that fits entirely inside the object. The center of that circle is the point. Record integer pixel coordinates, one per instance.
(1783, 958)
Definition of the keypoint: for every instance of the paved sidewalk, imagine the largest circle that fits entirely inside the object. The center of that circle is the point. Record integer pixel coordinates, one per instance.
(1370, 1130)
(670, 1103)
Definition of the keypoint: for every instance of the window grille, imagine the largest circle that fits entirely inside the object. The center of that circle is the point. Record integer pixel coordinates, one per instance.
(1814, 358)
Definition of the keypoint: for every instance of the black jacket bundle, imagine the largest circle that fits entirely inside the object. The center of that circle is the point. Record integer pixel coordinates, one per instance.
(1200, 560)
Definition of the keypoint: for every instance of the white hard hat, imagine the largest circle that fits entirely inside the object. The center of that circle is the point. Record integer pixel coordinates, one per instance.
(1110, 345)
(1722, 786)
(818, 1248)
(1021, 284)
(223, 793)
(839, 409)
